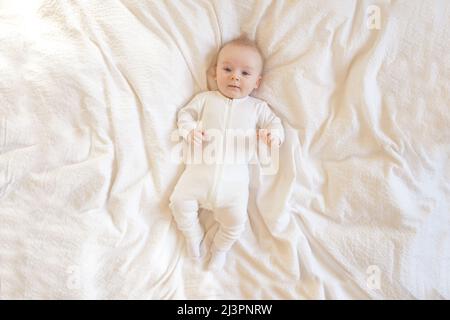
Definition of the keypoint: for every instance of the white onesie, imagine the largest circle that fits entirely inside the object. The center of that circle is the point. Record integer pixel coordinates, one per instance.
(220, 185)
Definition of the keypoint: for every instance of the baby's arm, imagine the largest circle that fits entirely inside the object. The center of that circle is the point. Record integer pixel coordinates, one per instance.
(270, 128)
(188, 120)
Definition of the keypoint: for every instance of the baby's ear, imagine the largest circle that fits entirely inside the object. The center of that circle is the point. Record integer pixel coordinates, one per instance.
(212, 78)
(258, 82)
(212, 72)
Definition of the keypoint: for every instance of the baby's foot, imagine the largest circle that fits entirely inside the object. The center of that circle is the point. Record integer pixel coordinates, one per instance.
(217, 260)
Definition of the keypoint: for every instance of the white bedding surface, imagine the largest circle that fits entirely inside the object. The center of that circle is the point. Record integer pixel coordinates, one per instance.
(89, 92)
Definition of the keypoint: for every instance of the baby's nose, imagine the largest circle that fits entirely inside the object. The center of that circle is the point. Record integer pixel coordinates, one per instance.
(234, 77)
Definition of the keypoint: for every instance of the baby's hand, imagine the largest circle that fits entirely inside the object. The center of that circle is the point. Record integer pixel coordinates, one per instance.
(196, 136)
(267, 138)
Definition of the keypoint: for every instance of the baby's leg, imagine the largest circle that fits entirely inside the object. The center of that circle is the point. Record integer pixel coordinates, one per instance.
(231, 225)
(185, 213)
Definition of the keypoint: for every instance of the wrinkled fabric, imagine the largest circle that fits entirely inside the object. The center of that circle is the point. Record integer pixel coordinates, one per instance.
(89, 93)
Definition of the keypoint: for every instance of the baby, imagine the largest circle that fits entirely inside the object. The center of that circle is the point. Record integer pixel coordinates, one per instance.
(222, 187)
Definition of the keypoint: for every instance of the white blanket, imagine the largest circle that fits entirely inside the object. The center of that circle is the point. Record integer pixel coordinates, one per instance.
(89, 92)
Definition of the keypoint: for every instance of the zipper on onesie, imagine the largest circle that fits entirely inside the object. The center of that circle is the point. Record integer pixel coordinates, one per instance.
(219, 168)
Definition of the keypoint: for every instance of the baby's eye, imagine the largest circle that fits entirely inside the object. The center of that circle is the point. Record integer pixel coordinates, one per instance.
(227, 69)
(245, 73)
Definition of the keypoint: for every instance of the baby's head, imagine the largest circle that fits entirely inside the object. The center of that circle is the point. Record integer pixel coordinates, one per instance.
(239, 68)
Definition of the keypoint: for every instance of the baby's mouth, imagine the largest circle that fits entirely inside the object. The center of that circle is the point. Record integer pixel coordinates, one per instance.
(233, 87)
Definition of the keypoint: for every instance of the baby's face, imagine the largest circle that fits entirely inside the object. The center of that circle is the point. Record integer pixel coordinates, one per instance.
(238, 71)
